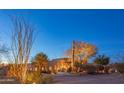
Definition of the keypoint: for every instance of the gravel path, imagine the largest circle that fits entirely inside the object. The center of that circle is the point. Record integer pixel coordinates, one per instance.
(90, 79)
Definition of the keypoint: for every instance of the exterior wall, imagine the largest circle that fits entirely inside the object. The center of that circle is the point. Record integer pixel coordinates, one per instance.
(60, 64)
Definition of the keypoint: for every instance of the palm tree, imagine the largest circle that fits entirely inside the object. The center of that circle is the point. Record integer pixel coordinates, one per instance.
(40, 61)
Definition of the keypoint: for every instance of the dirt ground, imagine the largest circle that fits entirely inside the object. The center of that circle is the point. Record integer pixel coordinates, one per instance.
(66, 78)
(115, 78)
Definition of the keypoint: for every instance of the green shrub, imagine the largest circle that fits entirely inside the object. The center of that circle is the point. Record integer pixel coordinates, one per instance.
(33, 77)
(120, 67)
(36, 78)
(47, 80)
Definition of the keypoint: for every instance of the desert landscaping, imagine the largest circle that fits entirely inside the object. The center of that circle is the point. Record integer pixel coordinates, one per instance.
(55, 48)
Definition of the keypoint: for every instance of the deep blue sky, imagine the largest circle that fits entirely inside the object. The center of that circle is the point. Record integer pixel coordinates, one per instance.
(57, 28)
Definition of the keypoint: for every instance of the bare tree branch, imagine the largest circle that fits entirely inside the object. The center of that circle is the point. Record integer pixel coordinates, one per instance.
(22, 41)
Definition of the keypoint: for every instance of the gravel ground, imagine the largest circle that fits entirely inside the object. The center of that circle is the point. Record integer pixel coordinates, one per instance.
(5, 80)
(66, 78)
(89, 79)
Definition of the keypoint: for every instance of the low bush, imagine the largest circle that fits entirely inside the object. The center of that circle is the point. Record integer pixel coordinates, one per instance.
(47, 80)
(90, 69)
(14, 71)
(69, 69)
(99, 69)
(37, 78)
(120, 67)
(33, 77)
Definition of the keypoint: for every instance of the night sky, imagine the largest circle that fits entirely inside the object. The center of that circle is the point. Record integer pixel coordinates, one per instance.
(58, 28)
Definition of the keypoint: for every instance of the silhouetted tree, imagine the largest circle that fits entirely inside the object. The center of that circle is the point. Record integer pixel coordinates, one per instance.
(101, 59)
